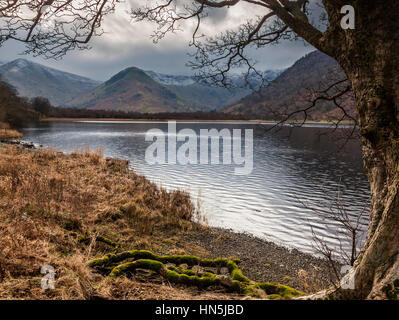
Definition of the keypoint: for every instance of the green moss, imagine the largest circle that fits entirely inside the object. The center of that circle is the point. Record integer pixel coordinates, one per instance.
(269, 288)
(173, 268)
(237, 275)
(172, 276)
(231, 266)
(180, 259)
(183, 278)
(188, 272)
(283, 291)
(149, 264)
(288, 292)
(147, 260)
(206, 280)
(238, 287)
(84, 239)
(114, 258)
(123, 268)
(141, 254)
(104, 261)
(132, 266)
(246, 289)
(108, 241)
(218, 262)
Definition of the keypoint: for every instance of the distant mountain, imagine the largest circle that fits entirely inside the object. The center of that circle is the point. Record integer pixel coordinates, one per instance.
(32, 79)
(132, 90)
(254, 79)
(290, 90)
(205, 97)
(171, 80)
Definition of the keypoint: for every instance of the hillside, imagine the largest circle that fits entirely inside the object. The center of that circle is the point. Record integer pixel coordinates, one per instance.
(131, 90)
(170, 80)
(204, 97)
(291, 90)
(200, 96)
(32, 79)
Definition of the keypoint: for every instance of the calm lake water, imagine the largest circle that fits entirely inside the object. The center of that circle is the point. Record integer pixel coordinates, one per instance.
(290, 168)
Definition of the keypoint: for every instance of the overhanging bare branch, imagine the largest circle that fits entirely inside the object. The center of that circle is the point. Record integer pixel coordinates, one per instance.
(52, 27)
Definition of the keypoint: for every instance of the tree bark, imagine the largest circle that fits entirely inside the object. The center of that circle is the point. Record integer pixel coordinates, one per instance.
(370, 58)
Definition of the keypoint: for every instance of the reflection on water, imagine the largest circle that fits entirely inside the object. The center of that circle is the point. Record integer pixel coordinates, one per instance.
(305, 166)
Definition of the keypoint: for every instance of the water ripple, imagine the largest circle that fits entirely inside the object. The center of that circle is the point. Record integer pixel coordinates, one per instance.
(269, 203)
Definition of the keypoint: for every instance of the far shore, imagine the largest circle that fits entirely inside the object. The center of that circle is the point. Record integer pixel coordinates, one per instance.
(189, 120)
(146, 120)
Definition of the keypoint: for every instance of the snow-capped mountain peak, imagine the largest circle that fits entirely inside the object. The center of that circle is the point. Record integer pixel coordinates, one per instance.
(171, 80)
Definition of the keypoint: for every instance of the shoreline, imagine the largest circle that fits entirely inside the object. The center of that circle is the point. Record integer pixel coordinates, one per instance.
(345, 122)
(142, 120)
(263, 260)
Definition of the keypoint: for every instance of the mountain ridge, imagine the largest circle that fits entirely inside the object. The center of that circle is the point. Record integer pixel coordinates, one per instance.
(171, 93)
(205, 97)
(32, 79)
(291, 90)
(131, 90)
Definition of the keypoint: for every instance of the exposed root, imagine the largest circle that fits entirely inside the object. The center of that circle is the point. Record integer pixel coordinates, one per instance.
(171, 268)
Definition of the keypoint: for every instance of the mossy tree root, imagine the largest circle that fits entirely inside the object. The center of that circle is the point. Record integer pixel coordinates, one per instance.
(175, 259)
(235, 282)
(86, 240)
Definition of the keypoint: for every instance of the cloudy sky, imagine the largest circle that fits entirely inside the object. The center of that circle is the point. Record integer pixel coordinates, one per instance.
(127, 44)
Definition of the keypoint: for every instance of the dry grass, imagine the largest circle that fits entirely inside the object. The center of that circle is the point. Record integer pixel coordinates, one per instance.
(310, 281)
(49, 200)
(7, 133)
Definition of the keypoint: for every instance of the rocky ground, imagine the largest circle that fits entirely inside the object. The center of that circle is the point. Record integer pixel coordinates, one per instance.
(265, 261)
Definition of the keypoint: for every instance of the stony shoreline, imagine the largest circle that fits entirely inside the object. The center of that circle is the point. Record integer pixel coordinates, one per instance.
(26, 145)
(265, 261)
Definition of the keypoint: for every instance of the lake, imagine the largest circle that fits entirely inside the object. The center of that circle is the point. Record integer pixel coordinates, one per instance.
(296, 172)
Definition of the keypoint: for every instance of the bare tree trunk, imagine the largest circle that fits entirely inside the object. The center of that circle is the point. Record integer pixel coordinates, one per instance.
(372, 65)
(378, 265)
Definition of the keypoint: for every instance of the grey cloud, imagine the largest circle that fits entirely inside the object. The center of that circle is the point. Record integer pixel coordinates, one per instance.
(217, 16)
(127, 44)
